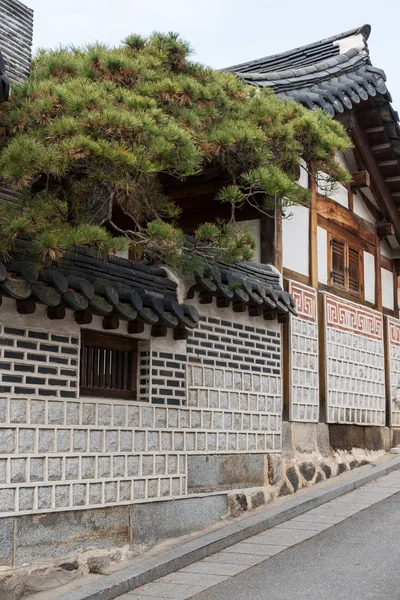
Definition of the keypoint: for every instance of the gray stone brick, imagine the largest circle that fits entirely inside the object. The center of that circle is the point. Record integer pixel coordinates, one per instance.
(88, 414)
(79, 440)
(72, 468)
(95, 441)
(3, 470)
(72, 413)
(55, 413)
(126, 441)
(104, 414)
(133, 416)
(46, 440)
(133, 465)
(44, 498)
(104, 466)
(147, 465)
(147, 414)
(54, 469)
(18, 470)
(26, 498)
(88, 467)
(7, 498)
(26, 440)
(166, 441)
(95, 493)
(6, 537)
(36, 469)
(165, 487)
(119, 416)
(139, 489)
(37, 412)
(110, 492)
(125, 493)
(7, 441)
(152, 488)
(79, 494)
(119, 466)
(3, 410)
(111, 441)
(172, 464)
(18, 411)
(139, 440)
(63, 440)
(62, 496)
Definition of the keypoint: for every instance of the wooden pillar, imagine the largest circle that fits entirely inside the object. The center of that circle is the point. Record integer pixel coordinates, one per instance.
(313, 233)
(395, 293)
(271, 238)
(378, 274)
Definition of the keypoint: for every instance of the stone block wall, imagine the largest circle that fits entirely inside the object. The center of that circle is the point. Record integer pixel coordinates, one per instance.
(217, 393)
(355, 364)
(393, 349)
(303, 355)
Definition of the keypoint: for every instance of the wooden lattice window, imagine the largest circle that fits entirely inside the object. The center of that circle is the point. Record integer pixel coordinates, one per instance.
(108, 365)
(346, 270)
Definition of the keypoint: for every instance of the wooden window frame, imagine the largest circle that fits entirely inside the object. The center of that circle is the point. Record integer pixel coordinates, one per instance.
(127, 371)
(347, 247)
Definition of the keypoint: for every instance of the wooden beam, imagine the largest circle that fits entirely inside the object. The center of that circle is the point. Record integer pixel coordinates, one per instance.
(378, 129)
(135, 327)
(360, 180)
(378, 186)
(396, 293)
(181, 334)
(271, 238)
(313, 232)
(159, 330)
(83, 317)
(378, 275)
(388, 163)
(55, 313)
(350, 197)
(110, 322)
(26, 307)
(384, 228)
(380, 147)
(341, 216)
(392, 179)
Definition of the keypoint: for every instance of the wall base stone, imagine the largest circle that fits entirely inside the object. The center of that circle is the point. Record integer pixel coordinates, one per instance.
(224, 472)
(346, 437)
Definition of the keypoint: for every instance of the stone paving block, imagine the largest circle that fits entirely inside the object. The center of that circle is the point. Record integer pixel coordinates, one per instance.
(305, 525)
(337, 510)
(311, 518)
(229, 558)
(281, 537)
(255, 549)
(193, 579)
(215, 568)
(168, 590)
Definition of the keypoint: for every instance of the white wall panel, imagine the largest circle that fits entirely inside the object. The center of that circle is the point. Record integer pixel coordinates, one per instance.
(387, 289)
(295, 240)
(369, 277)
(322, 240)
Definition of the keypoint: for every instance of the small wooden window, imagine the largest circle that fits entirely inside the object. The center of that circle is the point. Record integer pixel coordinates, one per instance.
(346, 270)
(108, 365)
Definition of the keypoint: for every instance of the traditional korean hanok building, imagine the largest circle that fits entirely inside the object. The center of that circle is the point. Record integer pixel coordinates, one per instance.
(135, 406)
(340, 256)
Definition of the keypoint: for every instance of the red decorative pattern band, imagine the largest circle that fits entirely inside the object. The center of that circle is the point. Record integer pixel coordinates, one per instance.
(394, 331)
(306, 300)
(342, 314)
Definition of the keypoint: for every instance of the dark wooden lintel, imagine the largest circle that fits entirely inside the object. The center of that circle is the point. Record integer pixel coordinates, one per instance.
(159, 330)
(269, 315)
(110, 322)
(26, 307)
(223, 302)
(83, 317)
(283, 318)
(255, 311)
(135, 327)
(361, 179)
(56, 313)
(181, 334)
(239, 307)
(384, 228)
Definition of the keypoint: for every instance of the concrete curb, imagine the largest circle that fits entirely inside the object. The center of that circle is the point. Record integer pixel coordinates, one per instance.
(147, 570)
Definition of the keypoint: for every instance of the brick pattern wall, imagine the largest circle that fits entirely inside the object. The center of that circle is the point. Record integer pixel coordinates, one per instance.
(393, 338)
(303, 355)
(355, 363)
(61, 452)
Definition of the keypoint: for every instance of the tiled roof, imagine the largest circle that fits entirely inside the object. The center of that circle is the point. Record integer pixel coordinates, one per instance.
(334, 74)
(4, 81)
(134, 291)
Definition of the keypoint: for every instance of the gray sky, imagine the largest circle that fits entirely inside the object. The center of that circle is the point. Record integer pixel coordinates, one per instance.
(225, 32)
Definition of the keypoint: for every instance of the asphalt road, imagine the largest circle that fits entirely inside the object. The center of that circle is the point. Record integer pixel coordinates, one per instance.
(357, 559)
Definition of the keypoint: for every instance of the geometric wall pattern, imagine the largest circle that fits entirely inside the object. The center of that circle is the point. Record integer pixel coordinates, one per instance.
(303, 355)
(393, 338)
(355, 365)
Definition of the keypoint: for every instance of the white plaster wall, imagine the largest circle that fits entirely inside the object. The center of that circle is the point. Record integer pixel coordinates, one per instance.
(322, 241)
(387, 289)
(303, 179)
(385, 250)
(369, 277)
(295, 240)
(336, 192)
(361, 210)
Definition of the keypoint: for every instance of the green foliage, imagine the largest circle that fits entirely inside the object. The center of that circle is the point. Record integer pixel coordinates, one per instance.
(96, 131)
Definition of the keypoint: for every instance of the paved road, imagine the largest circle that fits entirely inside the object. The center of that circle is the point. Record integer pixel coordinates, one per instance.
(347, 549)
(358, 559)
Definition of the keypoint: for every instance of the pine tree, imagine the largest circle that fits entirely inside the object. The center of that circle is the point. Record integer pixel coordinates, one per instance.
(96, 129)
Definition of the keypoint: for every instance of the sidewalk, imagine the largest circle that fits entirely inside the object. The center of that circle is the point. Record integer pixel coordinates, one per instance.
(148, 570)
(223, 566)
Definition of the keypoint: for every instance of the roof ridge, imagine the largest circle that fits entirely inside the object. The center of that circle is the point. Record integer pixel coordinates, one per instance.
(364, 30)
